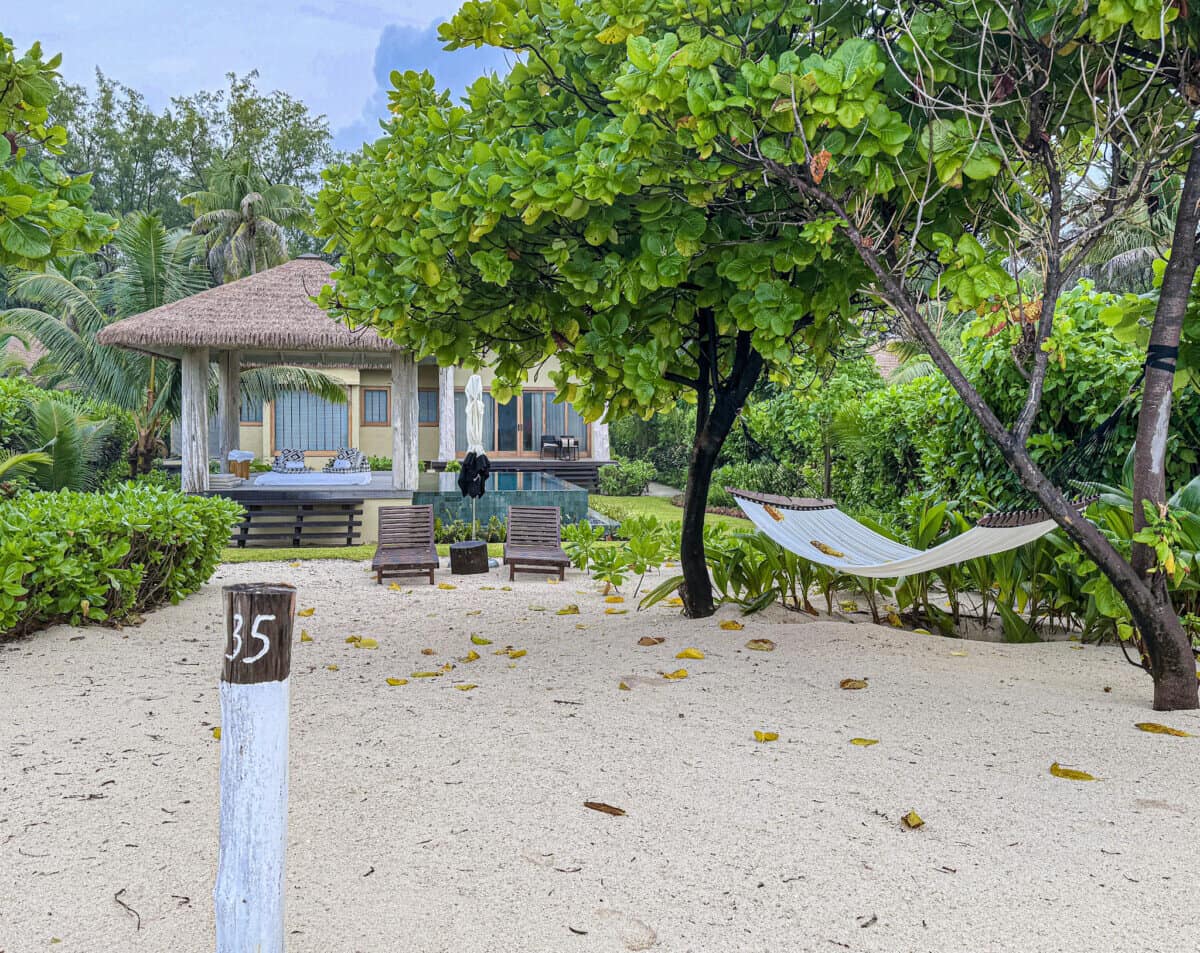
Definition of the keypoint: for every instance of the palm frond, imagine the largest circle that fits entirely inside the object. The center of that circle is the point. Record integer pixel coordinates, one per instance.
(269, 383)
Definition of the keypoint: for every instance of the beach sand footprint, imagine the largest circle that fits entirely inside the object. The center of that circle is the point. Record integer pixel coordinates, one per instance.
(632, 932)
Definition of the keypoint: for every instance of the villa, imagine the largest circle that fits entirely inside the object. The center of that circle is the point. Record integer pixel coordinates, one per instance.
(412, 412)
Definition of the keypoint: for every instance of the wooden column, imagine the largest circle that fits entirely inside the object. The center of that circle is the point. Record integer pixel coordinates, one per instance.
(194, 424)
(249, 893)
(446, 436)
(229, 404)
(405, 429)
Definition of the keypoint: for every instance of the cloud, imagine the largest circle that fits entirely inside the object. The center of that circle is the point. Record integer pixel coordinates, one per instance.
(418, 48)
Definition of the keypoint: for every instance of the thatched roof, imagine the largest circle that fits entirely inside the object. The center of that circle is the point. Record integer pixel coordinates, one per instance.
(269, 316)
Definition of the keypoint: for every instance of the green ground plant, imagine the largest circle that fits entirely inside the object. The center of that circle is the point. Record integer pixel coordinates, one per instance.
(104, 557)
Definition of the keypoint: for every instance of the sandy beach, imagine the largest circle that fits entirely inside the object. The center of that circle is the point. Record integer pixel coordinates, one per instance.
(429, 819)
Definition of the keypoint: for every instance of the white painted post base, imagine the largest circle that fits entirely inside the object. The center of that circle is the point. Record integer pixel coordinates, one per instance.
(249, 893)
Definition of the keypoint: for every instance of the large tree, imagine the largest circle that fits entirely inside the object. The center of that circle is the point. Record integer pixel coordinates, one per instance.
(542, 219)
(44, 211)
(1038, 124)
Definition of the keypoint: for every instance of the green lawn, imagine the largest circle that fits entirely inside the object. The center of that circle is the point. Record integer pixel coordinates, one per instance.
(290, 554)
(659, 507)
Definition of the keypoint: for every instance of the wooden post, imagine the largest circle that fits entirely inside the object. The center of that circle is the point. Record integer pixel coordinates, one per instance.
(405, 429)
(249, 893)
(446, 436)
(194, 425)
(229, 404)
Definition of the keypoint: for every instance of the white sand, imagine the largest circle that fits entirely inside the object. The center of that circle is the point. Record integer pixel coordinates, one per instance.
(428, 819)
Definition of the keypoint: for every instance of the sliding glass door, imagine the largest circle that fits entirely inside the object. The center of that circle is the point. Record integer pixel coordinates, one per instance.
(517, 428)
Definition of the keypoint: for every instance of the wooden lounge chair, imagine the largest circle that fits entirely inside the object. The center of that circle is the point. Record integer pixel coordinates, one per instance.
(406, 546)
(535, 540)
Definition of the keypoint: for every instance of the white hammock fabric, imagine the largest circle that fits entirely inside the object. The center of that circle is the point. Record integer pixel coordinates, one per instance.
(797, 524)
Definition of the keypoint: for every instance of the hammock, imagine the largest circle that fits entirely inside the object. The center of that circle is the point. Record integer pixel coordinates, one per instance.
(821, 533)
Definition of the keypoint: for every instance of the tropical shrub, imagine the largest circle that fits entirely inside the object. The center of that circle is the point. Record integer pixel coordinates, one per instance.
(759, 477)
(626, 478)
(105, 557)
(458, 531)
(664, 440)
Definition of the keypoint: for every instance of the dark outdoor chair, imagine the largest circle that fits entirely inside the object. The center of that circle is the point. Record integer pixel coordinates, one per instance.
(569, 447)
(535, 540)
(551, 443)
(406, 546)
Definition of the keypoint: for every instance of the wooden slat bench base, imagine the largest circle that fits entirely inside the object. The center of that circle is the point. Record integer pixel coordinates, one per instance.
(295, 524)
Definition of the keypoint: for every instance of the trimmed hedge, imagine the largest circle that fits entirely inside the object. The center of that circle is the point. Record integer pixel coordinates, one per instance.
(105, 557)
(626, 477)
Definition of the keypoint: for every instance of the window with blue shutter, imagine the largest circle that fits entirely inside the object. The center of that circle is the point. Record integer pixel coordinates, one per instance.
(252, 410)
(309, 422)
(427, 407)
(375, 405)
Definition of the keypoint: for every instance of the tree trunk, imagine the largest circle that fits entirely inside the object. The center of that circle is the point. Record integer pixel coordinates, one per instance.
(716, 412)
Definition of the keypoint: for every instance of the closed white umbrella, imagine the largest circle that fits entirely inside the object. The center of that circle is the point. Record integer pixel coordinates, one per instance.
(470, 482)
(474, 392)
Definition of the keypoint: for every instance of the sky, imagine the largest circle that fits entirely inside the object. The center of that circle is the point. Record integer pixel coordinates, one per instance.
(335, 55)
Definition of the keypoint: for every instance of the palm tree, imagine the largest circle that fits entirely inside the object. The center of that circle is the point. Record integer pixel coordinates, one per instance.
(71, 443)
(244, 217)
(154, 267)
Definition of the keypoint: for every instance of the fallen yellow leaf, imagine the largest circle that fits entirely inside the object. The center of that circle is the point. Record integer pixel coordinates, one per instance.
(615, 611)
(677, 674)
(825, 548)
(447, 667)
(537, 608)
(912, 820)
(848, 605)
(466, 687)
(426, 675)
(864, 742)
(516, 653)
(446, 585)
(852, 684)
(487, 588)
(623, 687)
(1157, 729)
(506, 588)
(304, 636)
(332, 668)
(428, 652)
(552, 580)
(366, 644)
(959, 654)
(761, 645)
(732, 625)
(397, 681)
(480, 640)
(674, 601)
(475, 612)
(395, 587)
(571, 609)
(765, 736)
(915, 631)
(295, 565)
(353, 639)
(1069, 773)
(690, 653)
(651, 640)
(614, 599)
(580, 625)
(471, 656)
(216, 733)
(894, 620)
(305, 613)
